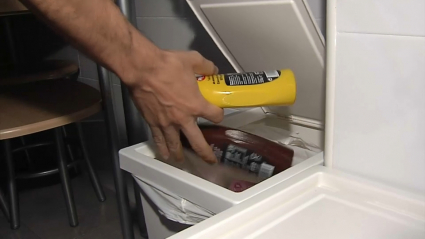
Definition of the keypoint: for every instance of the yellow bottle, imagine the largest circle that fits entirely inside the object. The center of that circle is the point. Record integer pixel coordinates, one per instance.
(264, 88)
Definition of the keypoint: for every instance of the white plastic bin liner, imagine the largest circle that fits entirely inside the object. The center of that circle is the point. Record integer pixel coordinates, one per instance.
(174, 207)
(179, 209)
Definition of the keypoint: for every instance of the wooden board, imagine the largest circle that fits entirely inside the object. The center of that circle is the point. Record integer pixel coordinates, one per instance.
(11, 7)
(42, 105)
(47, 70)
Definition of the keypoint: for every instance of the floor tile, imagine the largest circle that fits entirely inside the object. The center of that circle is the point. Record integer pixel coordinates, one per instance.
(44, 216)
(49, 220)
(22, 233)
(111, 230)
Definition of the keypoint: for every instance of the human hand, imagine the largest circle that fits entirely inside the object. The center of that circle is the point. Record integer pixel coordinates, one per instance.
(168, 97)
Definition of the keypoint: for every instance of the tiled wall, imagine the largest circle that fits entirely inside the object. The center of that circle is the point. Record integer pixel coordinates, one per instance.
(379, 129)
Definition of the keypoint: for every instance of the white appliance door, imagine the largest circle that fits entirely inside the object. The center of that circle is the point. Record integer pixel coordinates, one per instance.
(319, 203)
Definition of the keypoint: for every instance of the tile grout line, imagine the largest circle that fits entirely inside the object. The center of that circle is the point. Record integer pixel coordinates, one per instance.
(380, 34)
(30, 229)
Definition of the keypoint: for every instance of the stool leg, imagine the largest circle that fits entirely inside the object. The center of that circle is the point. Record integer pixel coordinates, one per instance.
(66, 182)
(3, 206)
(27, 154)
(93, 176)
(11, 183)
(70, 152)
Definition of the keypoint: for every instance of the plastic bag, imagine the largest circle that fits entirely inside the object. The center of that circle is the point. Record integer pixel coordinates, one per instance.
(174, 207)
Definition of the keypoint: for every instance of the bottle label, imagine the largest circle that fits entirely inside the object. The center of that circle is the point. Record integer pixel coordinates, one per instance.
(251, 78)
(245, 159)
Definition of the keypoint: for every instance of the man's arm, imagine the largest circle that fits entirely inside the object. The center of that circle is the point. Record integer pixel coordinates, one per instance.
(162, 83)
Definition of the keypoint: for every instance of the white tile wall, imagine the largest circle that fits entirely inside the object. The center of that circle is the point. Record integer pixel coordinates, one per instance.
(393, 17)
(378, 129)
(380, 102)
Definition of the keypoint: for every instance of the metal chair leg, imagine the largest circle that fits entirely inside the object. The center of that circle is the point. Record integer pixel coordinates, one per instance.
(66, 182)
(70, 152)
(3, 206)
(93, 176)
(27, 154)
(11, 184)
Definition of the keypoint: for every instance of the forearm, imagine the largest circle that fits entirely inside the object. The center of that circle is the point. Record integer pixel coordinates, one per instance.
(97, 28)
(162, 83)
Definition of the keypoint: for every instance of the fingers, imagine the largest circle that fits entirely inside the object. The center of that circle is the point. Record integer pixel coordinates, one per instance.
(198, 143)
(159, 140)
(180, 105)
(212, 113)
(172, 139)
(168, 142)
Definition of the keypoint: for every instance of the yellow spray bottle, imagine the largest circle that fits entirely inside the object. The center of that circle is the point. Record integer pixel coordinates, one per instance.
(264, 88)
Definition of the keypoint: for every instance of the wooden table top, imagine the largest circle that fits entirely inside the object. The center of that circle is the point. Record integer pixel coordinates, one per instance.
(45, 70)
(43, 105)
(12, 7)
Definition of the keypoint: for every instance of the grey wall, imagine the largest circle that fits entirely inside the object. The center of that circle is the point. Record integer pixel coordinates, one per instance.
(318, 8)
(170, 24)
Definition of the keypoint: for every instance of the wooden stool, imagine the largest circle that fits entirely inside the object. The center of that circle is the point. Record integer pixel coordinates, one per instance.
(42, 105)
